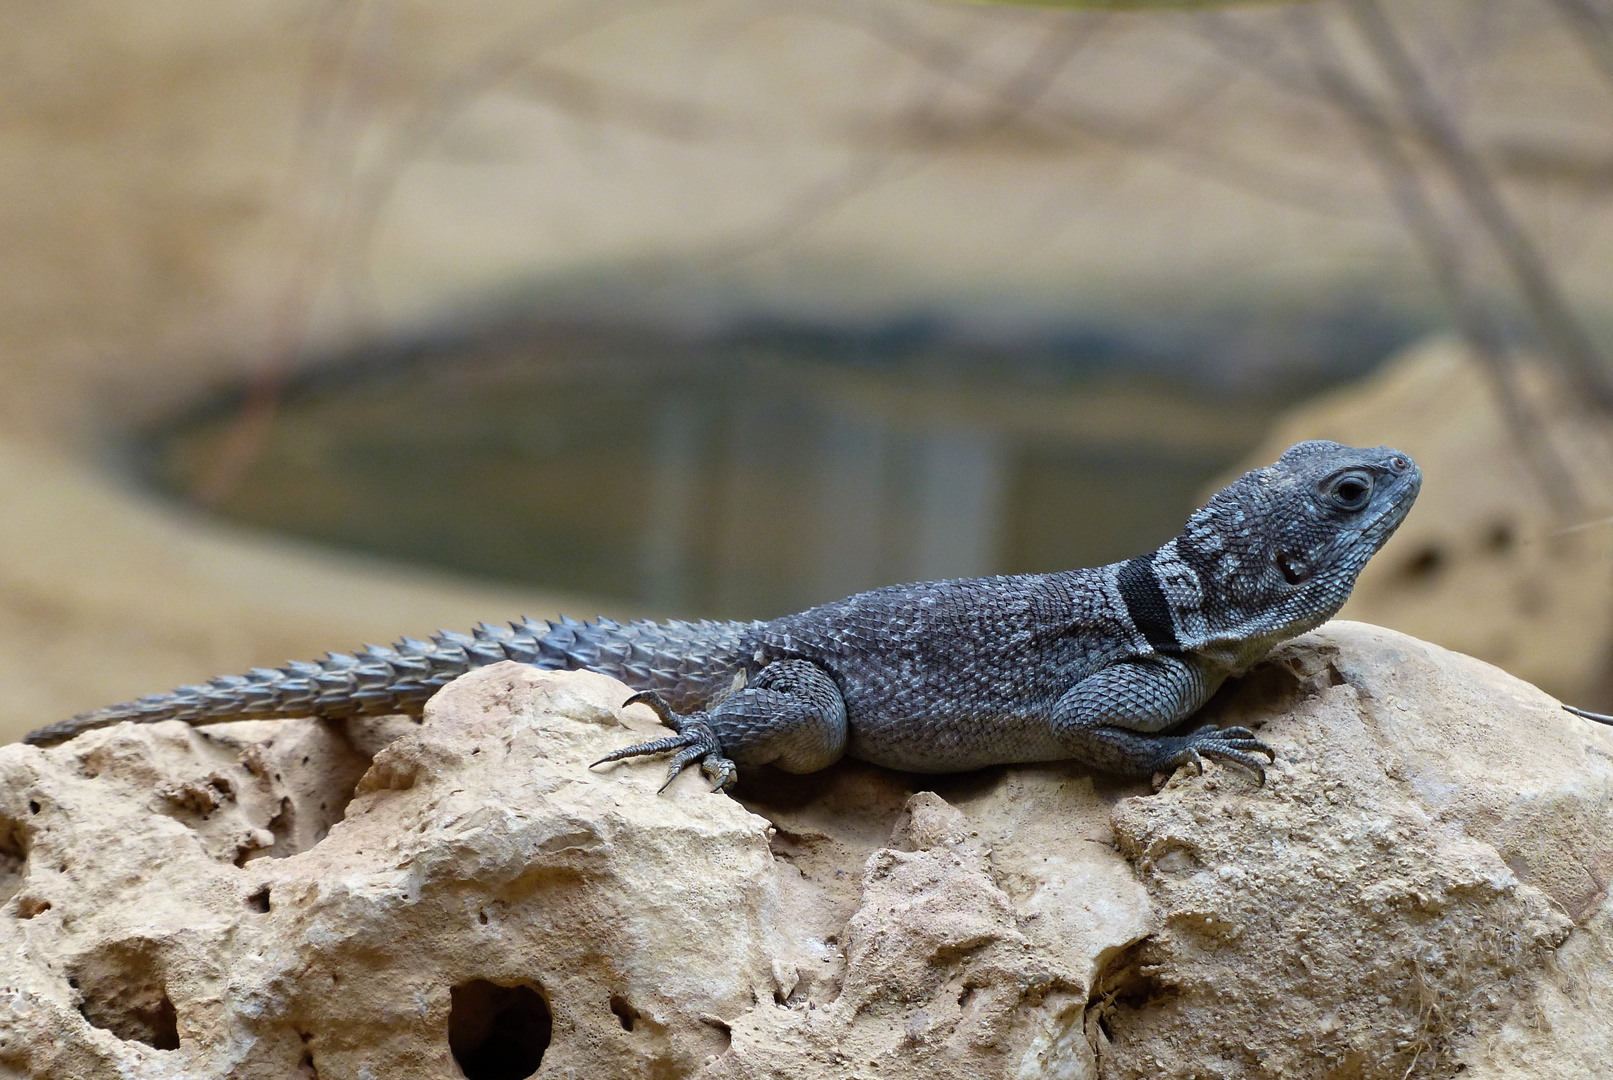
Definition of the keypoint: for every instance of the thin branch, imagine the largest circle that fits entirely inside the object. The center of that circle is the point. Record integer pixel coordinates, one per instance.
(517, 53)
(1014, 103)
(1484, 336)
(1168, 133)
(1590, 24)
(323, 160)
(1560, 330)
(1021, 93)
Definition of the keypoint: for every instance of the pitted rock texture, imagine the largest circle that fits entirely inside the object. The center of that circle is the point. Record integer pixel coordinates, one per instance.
(1419, 891)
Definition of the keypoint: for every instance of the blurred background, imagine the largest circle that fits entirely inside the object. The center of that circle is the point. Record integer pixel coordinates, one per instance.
(335, 320)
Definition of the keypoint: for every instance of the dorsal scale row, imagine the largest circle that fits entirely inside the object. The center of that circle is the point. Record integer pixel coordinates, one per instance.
(681, 660)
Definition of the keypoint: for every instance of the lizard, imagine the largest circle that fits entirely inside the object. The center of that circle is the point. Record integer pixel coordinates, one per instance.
(1097, 665)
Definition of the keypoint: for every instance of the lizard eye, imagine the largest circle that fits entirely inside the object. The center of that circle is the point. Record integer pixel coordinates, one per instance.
(1351, 491)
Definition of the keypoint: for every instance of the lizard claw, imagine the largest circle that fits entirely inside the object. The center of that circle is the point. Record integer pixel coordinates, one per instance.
(694, 741)
(657, 705)
(1237, 745)
(722, 772)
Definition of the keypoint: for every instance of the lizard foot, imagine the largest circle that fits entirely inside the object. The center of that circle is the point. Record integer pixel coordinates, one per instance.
(1235, 744)
(694, 741)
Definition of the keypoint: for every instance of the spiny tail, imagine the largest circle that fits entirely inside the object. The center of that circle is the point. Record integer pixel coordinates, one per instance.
(688, 663)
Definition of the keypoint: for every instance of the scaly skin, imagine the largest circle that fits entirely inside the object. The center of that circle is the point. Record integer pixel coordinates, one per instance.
(1095, 665)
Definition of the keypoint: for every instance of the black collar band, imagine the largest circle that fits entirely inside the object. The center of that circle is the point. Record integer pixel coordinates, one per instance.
(1146, 604)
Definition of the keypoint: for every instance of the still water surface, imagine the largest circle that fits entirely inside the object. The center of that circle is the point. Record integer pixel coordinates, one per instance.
(724, 480)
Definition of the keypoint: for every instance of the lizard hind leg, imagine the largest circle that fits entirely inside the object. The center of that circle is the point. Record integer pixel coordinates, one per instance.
(791, 715)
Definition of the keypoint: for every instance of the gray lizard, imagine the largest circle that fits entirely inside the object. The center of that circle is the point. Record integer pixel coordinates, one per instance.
(1096, 665)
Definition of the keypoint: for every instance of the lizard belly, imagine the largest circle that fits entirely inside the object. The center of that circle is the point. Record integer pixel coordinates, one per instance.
(952, 743)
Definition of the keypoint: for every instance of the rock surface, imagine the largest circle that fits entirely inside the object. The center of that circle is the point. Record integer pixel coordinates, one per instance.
(1420, 889)
(167, 183)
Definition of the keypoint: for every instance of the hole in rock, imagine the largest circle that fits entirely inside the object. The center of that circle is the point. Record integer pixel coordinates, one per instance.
(259, 901)
(498, 1032)
(624, 1012)
(1269, 689)
(1125, 989)
(123, 992)
(282, 827)
(33, 806)
(720, 1026)
(282, 823)
(1501, 538)
(1424, 565)
(13, 858)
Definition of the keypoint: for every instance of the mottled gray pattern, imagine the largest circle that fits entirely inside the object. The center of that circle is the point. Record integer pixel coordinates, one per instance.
(938, 676)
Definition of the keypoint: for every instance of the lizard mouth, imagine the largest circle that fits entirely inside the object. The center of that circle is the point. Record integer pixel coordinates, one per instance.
(1386, 521)
(1352, 548)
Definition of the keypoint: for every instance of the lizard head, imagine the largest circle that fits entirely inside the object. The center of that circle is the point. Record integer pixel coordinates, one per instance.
(1278, 550)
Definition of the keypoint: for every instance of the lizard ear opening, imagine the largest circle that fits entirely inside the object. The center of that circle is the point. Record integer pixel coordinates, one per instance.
(1293, 571)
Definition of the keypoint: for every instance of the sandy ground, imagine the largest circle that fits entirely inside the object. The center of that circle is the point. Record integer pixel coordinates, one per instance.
(105, 595)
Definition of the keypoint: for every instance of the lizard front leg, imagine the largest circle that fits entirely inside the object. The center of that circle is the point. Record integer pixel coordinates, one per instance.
(1111, 718)
(791, 715)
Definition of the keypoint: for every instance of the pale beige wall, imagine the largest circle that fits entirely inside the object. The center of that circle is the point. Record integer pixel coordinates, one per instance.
(170, 167)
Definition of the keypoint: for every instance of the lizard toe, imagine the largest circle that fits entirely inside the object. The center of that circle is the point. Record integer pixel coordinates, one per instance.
(1237, 738)
(700, 744)
(659, 706)
(1187, 755)
(656, 746)
(692, 751)
(722, 772)
(1247, 745)
(1236, 745)
(695, 741)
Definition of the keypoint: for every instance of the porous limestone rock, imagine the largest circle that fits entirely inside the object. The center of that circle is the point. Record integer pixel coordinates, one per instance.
(1420, 889)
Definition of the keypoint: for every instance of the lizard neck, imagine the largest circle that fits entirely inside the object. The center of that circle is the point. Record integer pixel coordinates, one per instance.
(1179, 602)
